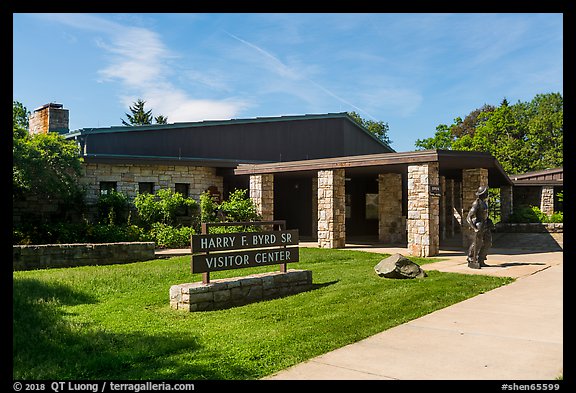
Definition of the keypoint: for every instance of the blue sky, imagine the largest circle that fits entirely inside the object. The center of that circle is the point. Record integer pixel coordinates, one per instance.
(412, 71)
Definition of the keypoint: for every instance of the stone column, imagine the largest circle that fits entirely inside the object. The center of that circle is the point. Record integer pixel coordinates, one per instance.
(506, 203)
(547, 200)
(471, 180)
(262, 193)
(449, 212)
(331, 209)
(390, 228)
(423, 210)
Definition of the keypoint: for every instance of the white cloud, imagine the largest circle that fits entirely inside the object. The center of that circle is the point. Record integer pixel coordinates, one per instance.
(140, 61)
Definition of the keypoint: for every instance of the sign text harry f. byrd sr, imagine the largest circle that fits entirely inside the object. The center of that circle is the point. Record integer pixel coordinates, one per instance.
(213, 259)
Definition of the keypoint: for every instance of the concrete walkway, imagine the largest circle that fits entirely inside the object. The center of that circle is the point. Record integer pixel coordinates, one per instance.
(514, 332)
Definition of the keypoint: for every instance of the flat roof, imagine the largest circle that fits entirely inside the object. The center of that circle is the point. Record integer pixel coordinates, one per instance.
(546, 177)
(451, 163)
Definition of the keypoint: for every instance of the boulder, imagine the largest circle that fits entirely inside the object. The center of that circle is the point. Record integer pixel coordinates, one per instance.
(398, 266)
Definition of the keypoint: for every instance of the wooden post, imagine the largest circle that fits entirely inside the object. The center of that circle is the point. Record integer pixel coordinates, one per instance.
(205, 275)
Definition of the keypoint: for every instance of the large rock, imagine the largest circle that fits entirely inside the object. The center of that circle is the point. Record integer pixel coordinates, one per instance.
(398, 266)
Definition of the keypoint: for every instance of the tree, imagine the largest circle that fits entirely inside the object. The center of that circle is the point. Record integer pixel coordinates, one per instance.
(161, 119)
(140, 116)
(378, 128)
(443, 139)
(46, 165)
(20, 117)
(523, 137)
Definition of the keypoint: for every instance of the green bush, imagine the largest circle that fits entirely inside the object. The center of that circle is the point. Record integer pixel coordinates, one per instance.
(527, 214)
(166, 236)
(556, 217)
(114, 233)
(238, 208)
(164, 206)
(113, 208)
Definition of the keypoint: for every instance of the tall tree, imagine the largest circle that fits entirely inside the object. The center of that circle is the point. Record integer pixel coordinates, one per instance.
(378, 128)
(140, 116)
(526, 136)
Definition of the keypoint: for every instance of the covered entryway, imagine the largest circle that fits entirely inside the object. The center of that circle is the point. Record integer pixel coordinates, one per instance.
(412, 198)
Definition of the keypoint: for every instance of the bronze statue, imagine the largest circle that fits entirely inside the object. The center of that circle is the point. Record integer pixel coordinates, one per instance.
(478, 220)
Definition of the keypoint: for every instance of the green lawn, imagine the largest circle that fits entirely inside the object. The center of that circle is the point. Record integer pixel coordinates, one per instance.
(115, 322)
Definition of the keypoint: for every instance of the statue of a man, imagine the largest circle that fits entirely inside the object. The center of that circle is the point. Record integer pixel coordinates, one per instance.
(478, 220)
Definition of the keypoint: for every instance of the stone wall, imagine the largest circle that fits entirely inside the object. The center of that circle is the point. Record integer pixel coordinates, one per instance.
(331, 209)
(530, 227)
(391, 223)
(262, 194)
(547, 200)
(237, 291)
(79, 254)
(127, 177)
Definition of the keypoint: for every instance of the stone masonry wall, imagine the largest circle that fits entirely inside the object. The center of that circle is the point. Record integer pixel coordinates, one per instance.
(391, 228)
(237, 291)
(423, 210)
(80, 254)
(127, 177)
(331, 209)
(547, 200)
(262, 194)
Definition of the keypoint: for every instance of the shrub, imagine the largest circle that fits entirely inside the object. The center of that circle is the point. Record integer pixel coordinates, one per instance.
(100, 233)
(113, 208)
(238, 208)
(556, 217)
(166, 236)
(527, 214)
(164, 207)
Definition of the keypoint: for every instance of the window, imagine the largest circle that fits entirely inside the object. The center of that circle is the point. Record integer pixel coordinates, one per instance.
(146, 188)
(106, 187)
(182, 188)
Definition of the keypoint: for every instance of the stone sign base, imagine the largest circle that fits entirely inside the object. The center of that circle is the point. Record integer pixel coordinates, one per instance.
(237, 291)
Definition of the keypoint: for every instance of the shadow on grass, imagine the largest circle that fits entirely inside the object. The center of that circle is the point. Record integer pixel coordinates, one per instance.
(48, 346)
(323, 284)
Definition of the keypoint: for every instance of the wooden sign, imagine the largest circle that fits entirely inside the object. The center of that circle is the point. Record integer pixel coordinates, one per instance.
(435, 190)
(214, 252)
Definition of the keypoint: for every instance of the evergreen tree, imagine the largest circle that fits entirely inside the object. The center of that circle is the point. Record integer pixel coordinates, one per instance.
(140, 116)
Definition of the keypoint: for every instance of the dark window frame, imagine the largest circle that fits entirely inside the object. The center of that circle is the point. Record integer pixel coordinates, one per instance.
(145, 187)
(107, 186)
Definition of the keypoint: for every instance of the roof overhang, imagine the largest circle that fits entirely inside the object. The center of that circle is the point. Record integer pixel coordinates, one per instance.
(157, 160)
(450, 163)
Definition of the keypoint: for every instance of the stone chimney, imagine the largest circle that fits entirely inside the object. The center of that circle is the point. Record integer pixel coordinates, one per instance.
(49, 118)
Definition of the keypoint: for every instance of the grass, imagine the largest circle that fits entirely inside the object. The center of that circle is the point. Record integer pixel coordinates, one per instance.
(115, 322)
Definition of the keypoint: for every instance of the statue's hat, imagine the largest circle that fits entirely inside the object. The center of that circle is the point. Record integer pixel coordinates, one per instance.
(481, 190)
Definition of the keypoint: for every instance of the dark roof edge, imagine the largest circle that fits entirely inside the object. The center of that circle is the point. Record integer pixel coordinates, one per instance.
(200, 161)
(338, 162)
(207, 123)
(537, 173)
(369, 133)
